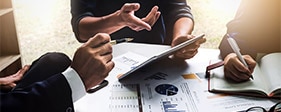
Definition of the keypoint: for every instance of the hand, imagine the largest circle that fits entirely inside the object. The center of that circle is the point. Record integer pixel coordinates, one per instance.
(93, 60)
(188, 51)
(9, 82)
(135, 23)
(152, 17)
(234, 69)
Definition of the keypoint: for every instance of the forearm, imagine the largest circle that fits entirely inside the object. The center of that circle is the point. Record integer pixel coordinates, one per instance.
(182, 27)
(89, 26)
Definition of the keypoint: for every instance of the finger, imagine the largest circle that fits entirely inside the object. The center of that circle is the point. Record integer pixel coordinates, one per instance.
(23, 70)
(8, 86)
(234, 69)
(157, 15)
(228, 76)
(189, 55)
(110, 65)
(196, 44)
(238, 65)
(231, 77)
(188, 51)
(191, 48)
(186, 55)
(152, 16)
(152, 12)
(105, 49)
(106, 58)
(12, 85)
(138, 22)
(98, 40)
(251, 62)
(228, 70)
(136, 28)
(133, 20)
(181, 39)
(128, 7)
(240, 76)
(202, 40)
(235, 76)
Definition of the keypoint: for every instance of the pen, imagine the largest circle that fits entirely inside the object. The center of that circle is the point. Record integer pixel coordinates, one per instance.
(113, 42)
(236, 49)
(98, 87)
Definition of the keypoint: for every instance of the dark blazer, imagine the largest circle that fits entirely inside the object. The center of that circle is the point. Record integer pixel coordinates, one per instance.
(42, 89)
(51, 95)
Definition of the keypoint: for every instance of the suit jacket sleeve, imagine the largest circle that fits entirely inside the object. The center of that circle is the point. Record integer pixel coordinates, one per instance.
(51, 95)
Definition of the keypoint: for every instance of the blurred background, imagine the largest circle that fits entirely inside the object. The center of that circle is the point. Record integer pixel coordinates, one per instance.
(44, 25)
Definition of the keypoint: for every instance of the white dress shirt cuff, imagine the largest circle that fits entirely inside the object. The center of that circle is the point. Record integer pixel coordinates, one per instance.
(76, 84)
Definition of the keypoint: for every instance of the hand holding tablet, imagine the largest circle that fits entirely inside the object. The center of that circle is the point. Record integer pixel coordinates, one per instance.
(163, 54)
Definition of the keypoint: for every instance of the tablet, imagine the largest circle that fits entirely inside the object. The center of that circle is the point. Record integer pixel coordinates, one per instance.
(163, 54)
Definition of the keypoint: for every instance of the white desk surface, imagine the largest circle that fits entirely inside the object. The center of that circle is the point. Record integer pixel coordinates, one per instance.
(99, 101)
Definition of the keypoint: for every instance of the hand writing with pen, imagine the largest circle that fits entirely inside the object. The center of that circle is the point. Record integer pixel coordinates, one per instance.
(235, 70)
(238, 67)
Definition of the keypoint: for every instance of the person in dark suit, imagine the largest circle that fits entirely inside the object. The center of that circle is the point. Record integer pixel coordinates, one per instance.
(256, 29)
(53, 82)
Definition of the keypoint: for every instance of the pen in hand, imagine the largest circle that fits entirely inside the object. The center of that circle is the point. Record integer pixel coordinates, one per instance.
(105, 82)
(236, 49)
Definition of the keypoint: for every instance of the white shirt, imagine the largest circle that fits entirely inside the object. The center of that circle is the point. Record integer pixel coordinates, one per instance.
(76, 84)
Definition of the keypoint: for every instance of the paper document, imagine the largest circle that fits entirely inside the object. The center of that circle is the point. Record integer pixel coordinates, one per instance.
(126, 62)
(210, 102)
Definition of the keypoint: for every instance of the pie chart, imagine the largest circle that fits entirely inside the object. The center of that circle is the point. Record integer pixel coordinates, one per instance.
(166, 89)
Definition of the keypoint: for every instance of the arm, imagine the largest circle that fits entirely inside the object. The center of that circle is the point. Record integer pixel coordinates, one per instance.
(53, 93)
(56, 92)
(180, 27)
(238, 28)
(182, 32)
(90, 25)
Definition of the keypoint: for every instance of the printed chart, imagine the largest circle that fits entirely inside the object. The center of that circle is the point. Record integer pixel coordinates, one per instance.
(167, 89)
(125, 98)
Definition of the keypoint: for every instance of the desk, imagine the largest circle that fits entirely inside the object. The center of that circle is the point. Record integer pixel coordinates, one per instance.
(192, 96)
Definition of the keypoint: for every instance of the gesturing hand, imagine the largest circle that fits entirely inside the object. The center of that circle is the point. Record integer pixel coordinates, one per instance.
(93, 60)
(127, 13)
